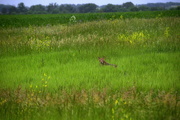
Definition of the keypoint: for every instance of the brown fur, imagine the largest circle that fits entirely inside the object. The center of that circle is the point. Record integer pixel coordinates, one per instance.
(103, 62)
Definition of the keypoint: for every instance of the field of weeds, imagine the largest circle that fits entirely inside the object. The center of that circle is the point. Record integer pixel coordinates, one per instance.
(53, 72)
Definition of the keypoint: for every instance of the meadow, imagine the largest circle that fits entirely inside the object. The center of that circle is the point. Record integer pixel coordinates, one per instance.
(50, 70)
(56, 19)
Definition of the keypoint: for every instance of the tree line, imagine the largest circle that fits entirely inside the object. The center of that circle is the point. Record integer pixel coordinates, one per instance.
(54, 8)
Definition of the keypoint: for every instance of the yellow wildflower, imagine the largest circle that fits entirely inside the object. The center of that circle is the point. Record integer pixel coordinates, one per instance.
(30, 86)
(45, 74)
(116, 102)
(113, 111)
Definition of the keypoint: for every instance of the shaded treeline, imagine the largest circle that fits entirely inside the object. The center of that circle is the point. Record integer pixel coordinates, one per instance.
(54, 8)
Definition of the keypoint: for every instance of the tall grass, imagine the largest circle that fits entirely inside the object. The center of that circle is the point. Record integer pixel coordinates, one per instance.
(52, 72)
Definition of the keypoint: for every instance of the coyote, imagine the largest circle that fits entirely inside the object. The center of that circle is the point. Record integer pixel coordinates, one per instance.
(103, 62)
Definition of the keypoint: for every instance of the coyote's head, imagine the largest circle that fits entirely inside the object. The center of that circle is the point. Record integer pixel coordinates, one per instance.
(101, 60)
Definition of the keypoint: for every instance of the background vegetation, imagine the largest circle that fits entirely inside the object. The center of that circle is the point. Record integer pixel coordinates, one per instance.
(51, 71)
(54, 8)
(64, 19)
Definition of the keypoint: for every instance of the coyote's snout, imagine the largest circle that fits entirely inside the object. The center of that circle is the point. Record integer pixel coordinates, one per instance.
(103, 62)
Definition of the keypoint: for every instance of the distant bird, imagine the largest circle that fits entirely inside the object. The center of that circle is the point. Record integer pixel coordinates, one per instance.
(103, 62)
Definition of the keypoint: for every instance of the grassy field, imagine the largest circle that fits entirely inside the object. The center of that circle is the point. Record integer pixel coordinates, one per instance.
(53, 72)
(56, 19)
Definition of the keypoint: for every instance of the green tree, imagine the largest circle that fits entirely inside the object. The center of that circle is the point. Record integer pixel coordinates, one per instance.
(37, 8)
(134, 9)
(143, 8)
(67, 9)
(156, 8)
(12, 10)
(86, 8)
(21, 8)
(110, 8)
(52, 8)
(128, 5)
(4, 10)
(175, 8)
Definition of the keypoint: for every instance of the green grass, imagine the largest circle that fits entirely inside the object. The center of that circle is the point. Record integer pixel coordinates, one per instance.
(69, 68)
(53, 72)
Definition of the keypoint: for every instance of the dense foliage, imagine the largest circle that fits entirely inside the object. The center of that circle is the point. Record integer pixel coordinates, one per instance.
(54, 8)
(46, 20)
